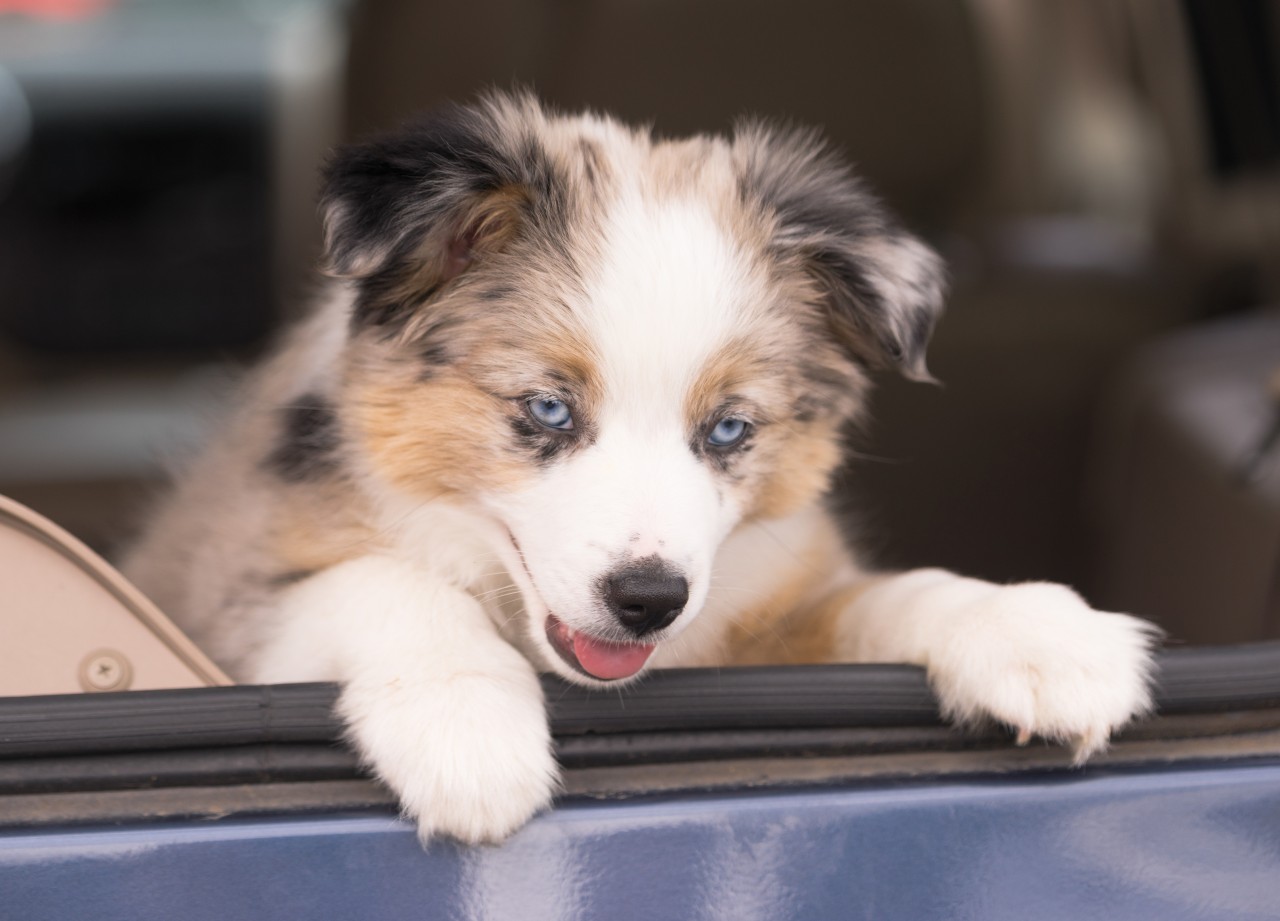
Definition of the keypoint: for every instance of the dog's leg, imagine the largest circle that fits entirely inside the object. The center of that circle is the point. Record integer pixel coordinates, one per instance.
(1033, 656)
(448, 714)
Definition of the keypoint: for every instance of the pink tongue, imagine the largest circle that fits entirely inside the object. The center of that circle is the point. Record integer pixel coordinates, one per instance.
(609, 660)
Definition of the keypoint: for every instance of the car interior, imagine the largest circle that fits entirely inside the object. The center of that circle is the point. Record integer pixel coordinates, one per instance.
(1102, 177)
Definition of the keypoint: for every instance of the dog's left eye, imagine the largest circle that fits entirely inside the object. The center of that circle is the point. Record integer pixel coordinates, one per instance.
(728, 432)
(553, 413)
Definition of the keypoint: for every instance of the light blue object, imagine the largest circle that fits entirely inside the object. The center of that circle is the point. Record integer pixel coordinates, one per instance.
(1167, 845)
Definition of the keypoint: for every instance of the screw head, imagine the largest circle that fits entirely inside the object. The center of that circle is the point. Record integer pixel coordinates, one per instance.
(105, 670)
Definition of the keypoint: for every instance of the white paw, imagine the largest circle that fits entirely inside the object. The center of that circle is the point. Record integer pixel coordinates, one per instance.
(469, 756)
(1038, 659)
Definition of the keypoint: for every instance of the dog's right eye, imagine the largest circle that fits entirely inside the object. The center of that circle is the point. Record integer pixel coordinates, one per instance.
(552, 413)
(728, 432)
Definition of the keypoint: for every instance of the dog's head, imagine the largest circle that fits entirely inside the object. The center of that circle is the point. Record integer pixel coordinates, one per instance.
(616, 348)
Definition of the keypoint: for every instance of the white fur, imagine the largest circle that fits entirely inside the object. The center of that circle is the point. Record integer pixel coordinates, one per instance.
(449, 715)
(670, 291)
(1034, 656)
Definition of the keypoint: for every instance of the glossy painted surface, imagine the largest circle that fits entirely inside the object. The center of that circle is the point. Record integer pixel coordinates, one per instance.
(1185, 844)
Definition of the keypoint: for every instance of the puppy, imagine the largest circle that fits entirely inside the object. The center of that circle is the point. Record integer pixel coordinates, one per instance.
(571, 403)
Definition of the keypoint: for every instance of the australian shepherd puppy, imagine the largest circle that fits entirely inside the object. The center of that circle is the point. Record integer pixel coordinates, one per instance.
(571, 404)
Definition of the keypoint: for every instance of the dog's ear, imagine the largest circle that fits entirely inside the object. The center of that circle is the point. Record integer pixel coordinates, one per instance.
(407, 212)
(882, 288)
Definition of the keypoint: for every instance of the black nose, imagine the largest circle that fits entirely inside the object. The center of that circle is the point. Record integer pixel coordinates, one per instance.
(646, 595)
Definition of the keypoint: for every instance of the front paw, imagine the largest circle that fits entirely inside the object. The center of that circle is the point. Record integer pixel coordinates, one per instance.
(470, 757)
(1038, 659)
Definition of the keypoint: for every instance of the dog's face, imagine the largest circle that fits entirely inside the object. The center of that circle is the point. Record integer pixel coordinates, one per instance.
(616, 349)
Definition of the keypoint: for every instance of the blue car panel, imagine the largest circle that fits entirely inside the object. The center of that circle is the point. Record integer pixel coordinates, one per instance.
(1199, 842)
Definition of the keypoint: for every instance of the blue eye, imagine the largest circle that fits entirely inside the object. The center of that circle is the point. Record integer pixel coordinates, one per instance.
(552, 413)
(728, 432)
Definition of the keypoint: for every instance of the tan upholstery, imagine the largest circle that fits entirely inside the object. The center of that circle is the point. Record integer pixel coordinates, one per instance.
(71, 623)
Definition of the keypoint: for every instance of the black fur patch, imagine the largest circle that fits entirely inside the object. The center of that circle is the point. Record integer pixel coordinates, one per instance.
(542, 443)
(384, 190)
(309, 439)
(383, 197)
(435, 345)
(286, 579)
(499, 292)
(433, 354)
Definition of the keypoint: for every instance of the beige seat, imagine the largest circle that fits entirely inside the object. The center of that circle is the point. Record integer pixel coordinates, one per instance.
(69, 622)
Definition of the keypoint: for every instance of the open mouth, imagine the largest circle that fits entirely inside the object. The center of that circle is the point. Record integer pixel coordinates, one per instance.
(595, 657)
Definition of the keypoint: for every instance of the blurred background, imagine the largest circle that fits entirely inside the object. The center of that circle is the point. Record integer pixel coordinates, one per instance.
(1102, 175)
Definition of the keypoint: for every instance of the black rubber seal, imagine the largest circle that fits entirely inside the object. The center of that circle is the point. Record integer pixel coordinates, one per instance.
(747, 699)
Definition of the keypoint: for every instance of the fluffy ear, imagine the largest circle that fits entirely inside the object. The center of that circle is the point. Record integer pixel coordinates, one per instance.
(408, 212)
(883, 288)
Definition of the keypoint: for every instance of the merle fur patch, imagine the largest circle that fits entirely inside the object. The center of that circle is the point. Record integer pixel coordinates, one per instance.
(392, 201)
(883, 287)
(307, 447)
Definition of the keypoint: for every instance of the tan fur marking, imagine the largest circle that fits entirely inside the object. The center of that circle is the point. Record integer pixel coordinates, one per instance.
(762, 634)
(451, 433)
(565, 351)
(735, 365)
(434, 438)
(784, 633)
(539, 348)
(790, 461)
(802, 471)
(313, 531)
